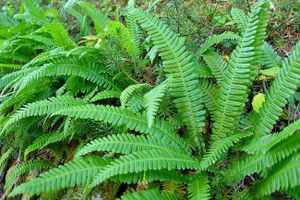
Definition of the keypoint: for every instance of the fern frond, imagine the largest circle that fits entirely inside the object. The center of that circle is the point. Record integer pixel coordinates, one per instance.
(5, 156)
(65, 67)
(217, 39)
(149, 194)
(266, 142)
(59, 34)
(44, 107)
(10, 66)
(40, 39)
(126, 144)
(152, 100)
(240, 18)
(76, 172)
(259, 162)
(23, 168)
(210, 96)
(106, 94)
(13, 76)
(241, 72)
(152, 175)
(144, 161)
(121, 116)
(283, 87)
(133, 28)
(219, 147)
(269, 57)
(179, 65)
(131, 91)
(282, 176)
(44, 141)
(216, 63)
(99, 19)
(198, 187)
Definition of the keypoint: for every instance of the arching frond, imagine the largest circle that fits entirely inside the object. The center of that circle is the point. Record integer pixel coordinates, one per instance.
(217, 39)
(121, 116)
(126, 144)
(240, 18)
(76, 172)
(144, 161)
(152, 100)
(198, 187)
(131, 91)
(106, 94)
(282, 88)
(149, 194)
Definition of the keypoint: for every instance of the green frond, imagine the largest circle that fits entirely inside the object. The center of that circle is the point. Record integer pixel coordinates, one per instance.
(90, 71)
(179, 65)
(99, 19)
(219, 147)
(131, 91)
(240, 18)
(283, 87)
(133, 28)
(217, 39)
(106, 94)
(295, 192)
(44, 107)
(152, 175)
(23, 168)
(149, 194)
(152, 100)
(210, 95)
(43, 141)
(119, 31)
(126, 144)
(77, 172)
(13, 76)
(241, 72)
(59, 34)
(136, 104)
(40, 39)
(10, 66)
(132, 121)
(282, 176)
(216, 63)
(199, 188)
(266, 142)
(5, 156)
(259, 162)
(269, 57)
(144, 161)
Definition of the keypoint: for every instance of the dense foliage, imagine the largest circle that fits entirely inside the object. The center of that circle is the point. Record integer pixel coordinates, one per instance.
(121, 106)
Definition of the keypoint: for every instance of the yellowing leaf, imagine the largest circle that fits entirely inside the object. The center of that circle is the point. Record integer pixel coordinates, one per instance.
(257, 101)
(271, 71)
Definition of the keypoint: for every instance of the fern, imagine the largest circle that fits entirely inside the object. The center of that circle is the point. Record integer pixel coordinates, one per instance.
(240, 18)
(269, 57)
(282, 176)
(149, 194)
(126, 144)
(152, 100)
(130, 91)
(179, 65)
(210, 91)
(143, 161)
(100, 20)
(219, 147)
(23, 168)
(5, 156)
(133, 121)
(282, 88)
(217, 39)
(44, 141)
(198, 187)
(106, 94)
(240, 74)
(216, 64)
(45, 107)
(76, 172)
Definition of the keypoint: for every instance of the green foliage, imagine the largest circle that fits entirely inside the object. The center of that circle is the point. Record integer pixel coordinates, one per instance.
(132, 108)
